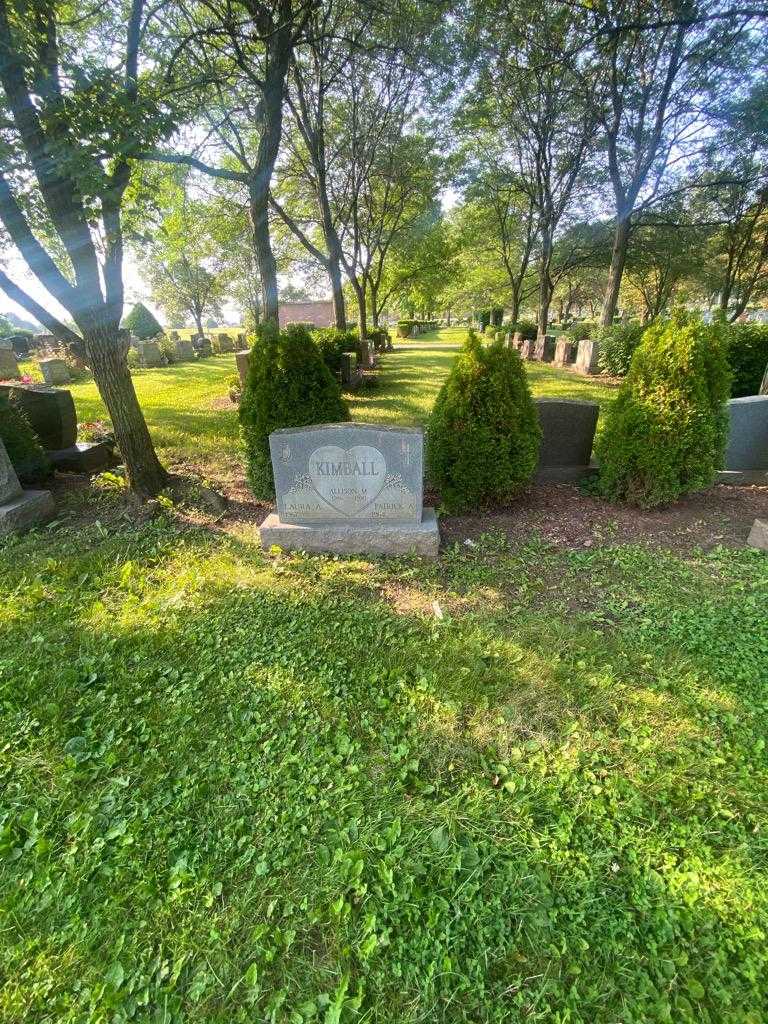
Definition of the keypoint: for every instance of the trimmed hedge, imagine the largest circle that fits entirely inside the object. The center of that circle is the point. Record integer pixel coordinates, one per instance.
(528, 329)
(142, 323)
(483, 435)
(617, 346)
(665, 435)
(332, 343)
(288, 385)
(748, 357)
(24, 449)
(583, 329)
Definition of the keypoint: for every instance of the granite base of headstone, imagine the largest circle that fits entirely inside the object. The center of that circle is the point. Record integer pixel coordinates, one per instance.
(758, 535)
(20, 509)
(350, 489)
(568, 433)
(243, 361)
(54, 371)
(565, 352)
(9, 364)
(544, 351)
(50, 412)
(588, 356)
(746, 455)
(85, 457)
(150, 356)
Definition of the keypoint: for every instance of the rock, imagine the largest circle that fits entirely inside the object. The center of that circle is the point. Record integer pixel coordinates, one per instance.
(243, 361)
(9, 365)
(20, 509)
(54, 371)
(565, 351)
(568, 432)
(747, 434)
(350, 488)
(50, 412)
(588, 356)
(758, 535)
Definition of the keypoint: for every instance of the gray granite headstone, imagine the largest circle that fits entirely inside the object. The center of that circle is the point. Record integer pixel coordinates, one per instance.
(243, 362)
(150, 355)
(350, 487)
(567, 434)
(747, 433)
(54, 371)
(343, 472)
(50, 412)
(20, 509)
(9, 366)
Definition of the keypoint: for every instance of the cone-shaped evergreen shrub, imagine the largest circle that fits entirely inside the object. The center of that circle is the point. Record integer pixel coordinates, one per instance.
(483, 435)
(24, 449)
(666, 433)
(142, 322)
(288, 385)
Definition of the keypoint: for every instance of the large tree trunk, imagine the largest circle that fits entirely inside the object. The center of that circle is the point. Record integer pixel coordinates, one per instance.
(106, 350)
(262, 244)
(615, 274)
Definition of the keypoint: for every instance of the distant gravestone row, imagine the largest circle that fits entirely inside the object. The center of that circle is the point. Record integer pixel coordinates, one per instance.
(563, 351)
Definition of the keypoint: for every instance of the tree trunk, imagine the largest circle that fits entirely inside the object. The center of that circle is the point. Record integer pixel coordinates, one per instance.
(374, 305)
(199, 324)
(339, 306)
(262, 244)
(362, 312)
(545, 284)
(615, 274)
(105, 352)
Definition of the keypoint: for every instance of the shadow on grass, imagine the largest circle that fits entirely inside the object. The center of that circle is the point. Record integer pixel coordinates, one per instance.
(274, 765)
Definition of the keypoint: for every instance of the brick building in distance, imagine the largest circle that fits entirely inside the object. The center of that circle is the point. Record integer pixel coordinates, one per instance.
(319, 313)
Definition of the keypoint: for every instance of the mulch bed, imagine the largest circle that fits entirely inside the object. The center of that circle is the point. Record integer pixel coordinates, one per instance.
(559, 514)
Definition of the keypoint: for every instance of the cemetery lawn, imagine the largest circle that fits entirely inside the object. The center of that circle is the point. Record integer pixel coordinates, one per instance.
(523, 784)
(192, 420)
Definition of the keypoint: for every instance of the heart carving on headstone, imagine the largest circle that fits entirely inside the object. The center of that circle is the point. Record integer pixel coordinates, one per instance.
(347, 479)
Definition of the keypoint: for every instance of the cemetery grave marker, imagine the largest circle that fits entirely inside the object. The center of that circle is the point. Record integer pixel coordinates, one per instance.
(20, 509)
(54, 371)
(350, 488)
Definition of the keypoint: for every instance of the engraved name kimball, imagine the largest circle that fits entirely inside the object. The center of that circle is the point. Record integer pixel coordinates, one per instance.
(343, 472)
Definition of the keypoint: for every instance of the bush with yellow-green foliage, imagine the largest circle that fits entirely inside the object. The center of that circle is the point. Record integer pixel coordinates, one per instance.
(288, 385)
(666, 433)
(483, 435)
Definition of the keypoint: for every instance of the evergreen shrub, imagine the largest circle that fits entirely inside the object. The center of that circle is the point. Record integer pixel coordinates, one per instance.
(483, 434)
(748, 357)
(24, 449)
(288, 385)
(617, 346)
(142, 323)
(665, 434)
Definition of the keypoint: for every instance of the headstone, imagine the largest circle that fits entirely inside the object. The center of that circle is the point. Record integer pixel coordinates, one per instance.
(527, 349)
(20, 345)
(173, 335)
(9, 366)
(351, 373)
(587, 356)
(150, 355)
(350, 488)
(565, 351)
(225, 343)
(202, 346)
(243, 361)
(55, 371)
(747, 433)
(545, 348)
(366, 356)
(241, 339)
(84, 457)
(183, 349)
(758, 535)
(20, 509)
(50, 412)
(44, 341)
(568, 432)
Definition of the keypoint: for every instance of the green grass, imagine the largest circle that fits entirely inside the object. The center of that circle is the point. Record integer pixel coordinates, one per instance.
(518, 785)
(178, 401)
(240, 789)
